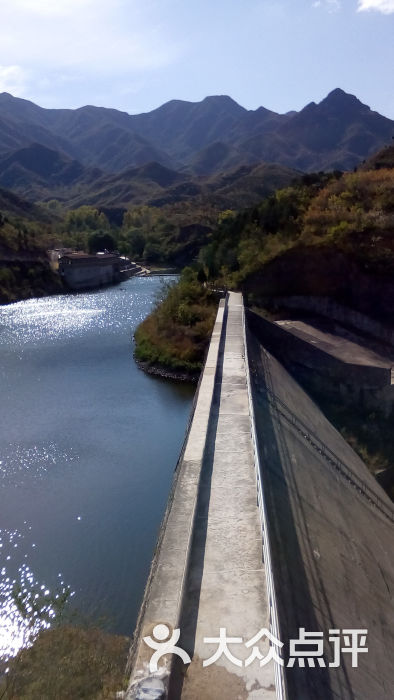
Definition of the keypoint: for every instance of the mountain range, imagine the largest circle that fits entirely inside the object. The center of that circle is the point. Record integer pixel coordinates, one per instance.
(103, 156)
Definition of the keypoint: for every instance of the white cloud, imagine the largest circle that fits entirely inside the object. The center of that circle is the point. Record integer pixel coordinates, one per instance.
(43, 39)
(330, 5)
(12, 79)
(385, 6)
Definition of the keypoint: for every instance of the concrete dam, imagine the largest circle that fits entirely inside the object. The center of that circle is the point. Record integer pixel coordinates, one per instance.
(273, 575)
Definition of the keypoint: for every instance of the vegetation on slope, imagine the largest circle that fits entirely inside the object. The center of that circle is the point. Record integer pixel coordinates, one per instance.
(175, 335)
(245, 241)
(356, 214)
(68, 662)
(24, 268)
(167, 232)
(332, 236)
(351, 213)
(319, 218)
(326, 234)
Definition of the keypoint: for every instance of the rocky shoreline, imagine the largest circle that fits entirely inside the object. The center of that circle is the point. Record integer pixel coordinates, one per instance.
(166, 373)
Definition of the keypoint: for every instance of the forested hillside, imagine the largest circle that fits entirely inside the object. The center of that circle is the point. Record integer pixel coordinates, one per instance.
(329, 234)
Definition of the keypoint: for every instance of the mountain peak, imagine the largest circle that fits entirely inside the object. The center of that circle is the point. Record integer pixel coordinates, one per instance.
(337, 92)
(220, 98)
(207, 136)
(223, 101)
(340, 97)
(7, 96)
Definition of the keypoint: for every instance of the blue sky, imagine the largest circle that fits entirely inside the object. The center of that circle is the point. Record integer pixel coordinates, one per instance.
(137, 54)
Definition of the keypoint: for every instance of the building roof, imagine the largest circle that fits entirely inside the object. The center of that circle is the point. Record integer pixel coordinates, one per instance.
(85, 257)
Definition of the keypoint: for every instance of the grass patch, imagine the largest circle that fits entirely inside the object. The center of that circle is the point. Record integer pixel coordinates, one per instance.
(67, 663)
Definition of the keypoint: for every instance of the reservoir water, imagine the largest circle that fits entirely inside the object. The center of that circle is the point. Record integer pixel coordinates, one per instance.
(88, 446)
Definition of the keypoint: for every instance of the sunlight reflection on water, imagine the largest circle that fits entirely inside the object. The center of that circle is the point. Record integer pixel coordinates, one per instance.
(27, 605)
(18, 461)
(75, 465)
(59, 317)
(32, 320)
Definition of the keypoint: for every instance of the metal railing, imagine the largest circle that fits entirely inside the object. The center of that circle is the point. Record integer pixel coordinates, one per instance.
(280, 678)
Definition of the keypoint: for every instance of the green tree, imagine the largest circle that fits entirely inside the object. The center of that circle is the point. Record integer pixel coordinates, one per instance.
(136, 241)
(101, 241)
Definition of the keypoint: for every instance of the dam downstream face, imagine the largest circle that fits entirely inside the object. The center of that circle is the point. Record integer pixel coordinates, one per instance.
(88, 446)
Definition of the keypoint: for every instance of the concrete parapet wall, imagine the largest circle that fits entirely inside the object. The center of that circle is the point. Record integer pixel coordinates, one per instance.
(325, 306)
(294, 350)
(162, 602)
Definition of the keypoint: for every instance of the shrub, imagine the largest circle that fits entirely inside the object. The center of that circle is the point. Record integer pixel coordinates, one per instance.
(177, 332)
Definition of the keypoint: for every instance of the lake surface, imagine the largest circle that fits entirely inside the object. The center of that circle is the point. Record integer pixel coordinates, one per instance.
(88, 446)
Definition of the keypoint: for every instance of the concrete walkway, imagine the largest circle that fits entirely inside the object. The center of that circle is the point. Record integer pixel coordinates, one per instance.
(226, 580)
(208, 572)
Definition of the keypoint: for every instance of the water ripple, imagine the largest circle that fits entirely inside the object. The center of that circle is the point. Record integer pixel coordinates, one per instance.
(19, 461)
(27, 605)
(62, 317)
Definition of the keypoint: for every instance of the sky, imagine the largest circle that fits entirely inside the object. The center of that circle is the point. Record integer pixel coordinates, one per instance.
(134, 55)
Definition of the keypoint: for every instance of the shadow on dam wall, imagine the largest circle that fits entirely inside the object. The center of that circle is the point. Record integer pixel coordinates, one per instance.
(294, 599)
(331, 547)
(329, 524)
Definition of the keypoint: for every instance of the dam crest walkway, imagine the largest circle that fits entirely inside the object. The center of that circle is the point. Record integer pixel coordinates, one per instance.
(273, 524)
